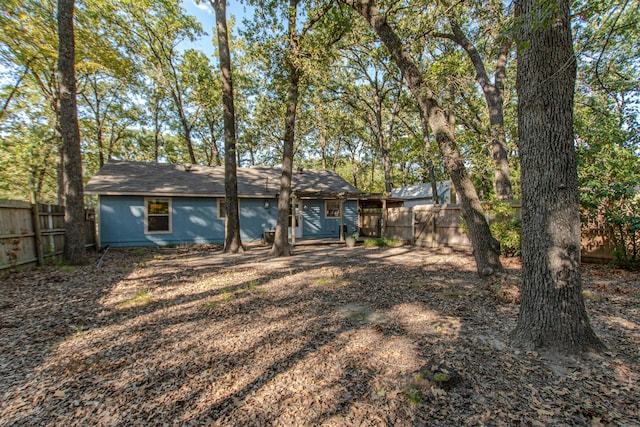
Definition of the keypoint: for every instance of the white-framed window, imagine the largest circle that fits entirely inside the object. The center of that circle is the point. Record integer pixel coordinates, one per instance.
(222, 209)
(157, 215)
(332, 208)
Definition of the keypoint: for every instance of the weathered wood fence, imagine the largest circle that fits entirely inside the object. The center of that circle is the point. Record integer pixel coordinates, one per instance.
(427, 225)
(34, 234)
(442, 225)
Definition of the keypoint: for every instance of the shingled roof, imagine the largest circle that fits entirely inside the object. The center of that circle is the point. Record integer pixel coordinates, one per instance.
(164, 179)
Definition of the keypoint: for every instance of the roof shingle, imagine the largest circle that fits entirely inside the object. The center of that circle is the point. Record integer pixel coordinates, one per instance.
(164, 179)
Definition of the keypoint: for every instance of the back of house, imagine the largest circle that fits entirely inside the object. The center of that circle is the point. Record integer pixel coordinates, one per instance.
(145, 204)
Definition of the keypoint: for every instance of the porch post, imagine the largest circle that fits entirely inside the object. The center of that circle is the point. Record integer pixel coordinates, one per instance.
(341, 219)
(293, 220)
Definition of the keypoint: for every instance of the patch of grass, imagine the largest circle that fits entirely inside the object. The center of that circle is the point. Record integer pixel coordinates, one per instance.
(418, 284)
(210, 305)
(67, 269)
(331, 281)
(55, 345)
(323, 281)
(453, 294)
(414, 395)
(441, 377)
(140, 299)
(381, 242)
(230, 292)
(139, 251)
(225, 296)
(590, 295)
(78, 331)
(64, 267)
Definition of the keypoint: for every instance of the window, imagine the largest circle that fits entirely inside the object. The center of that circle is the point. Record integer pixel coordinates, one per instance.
(157, 215)
(222, 209)
(332, 208)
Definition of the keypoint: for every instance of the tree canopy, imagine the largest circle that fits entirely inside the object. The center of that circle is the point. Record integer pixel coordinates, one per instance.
(144, 96)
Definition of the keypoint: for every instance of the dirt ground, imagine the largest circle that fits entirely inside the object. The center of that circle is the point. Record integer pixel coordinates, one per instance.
(330, 336)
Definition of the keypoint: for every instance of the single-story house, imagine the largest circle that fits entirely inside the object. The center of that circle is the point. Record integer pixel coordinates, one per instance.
(144, 204)
(422, 194)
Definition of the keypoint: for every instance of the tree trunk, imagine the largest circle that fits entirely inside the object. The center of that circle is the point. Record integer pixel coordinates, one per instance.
(99, 137)
(215, 152)
(322, 139)
(552, 312)
(281, 240)
(74, 250)
(384, 145)
(336, 155)
(385, 148)
(186, 129)
(233, 242)
(486, 251)
(354, 170)
(60, 171)
(156, 130)
(430, 168)
(493, 95)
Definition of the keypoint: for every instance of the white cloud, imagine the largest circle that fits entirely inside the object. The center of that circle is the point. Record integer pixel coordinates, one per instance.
(203, 6)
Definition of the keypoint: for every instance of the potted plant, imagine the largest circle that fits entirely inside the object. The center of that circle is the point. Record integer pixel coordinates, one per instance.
(350, 239)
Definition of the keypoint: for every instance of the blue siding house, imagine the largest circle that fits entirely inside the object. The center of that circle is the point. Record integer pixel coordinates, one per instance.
(146, 204)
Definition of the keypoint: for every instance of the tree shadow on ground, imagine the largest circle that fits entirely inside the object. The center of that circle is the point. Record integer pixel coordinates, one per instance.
(40, 309)
(329, 336)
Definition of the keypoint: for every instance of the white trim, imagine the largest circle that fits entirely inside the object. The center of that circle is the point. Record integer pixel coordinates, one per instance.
(98, 226)
(220, 201)
(146, 215)
(297, 208)
(326, 210)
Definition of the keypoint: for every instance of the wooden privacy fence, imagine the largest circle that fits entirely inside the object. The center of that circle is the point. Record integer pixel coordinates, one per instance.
(427, 225)
(371, 222)
(34, 234)
(442, 225)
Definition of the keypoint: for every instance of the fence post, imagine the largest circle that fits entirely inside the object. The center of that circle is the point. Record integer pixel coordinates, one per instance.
(435, 213)
(413, 227)
(35, 217)
(385, 217)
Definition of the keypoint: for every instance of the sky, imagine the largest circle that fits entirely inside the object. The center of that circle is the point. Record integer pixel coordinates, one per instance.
(204, 13)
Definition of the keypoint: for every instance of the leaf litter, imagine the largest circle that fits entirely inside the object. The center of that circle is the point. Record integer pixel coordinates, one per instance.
(330, 336)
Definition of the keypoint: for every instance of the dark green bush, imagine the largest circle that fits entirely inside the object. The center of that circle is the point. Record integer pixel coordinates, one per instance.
(506, 227)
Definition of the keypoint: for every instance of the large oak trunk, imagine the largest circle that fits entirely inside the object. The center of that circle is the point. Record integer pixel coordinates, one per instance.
(233, 242)
(552, 313)
(486, 252)
(281, 239)
(74, 250)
